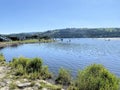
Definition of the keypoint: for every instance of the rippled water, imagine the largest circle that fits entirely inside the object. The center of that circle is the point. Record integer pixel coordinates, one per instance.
(73, 54)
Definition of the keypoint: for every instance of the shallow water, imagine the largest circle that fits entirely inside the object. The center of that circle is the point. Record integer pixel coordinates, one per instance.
(73, 54)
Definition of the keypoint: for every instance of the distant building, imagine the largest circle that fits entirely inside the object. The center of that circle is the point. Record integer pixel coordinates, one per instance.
(3, 38)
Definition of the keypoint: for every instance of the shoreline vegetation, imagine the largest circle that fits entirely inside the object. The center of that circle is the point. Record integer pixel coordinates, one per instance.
(30, 74)
(15, 43)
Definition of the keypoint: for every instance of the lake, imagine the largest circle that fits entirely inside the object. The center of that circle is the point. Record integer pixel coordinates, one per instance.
(73, 54)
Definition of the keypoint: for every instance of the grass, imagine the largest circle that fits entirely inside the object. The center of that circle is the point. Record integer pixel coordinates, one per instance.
(12, 86)
(30, 68)
(50, 86)
(64, 77)
(14, 43)
(2, 59)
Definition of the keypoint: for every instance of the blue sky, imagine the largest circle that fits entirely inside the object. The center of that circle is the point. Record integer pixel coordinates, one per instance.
(41, 15)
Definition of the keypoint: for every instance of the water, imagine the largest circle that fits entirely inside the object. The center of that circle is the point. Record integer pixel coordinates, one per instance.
(73, 54)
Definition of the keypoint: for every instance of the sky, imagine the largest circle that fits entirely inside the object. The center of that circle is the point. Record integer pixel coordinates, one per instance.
(18, 16)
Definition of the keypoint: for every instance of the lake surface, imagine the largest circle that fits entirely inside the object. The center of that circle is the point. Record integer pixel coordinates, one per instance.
(73, 54)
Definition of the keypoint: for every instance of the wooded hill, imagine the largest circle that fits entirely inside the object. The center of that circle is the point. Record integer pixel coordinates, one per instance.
(70, 33)
(83, 33)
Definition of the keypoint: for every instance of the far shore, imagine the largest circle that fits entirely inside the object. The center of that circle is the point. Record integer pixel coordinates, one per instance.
(114, 38)
(15, 43)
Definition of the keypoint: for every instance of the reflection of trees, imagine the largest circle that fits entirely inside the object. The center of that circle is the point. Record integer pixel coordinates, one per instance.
(1, 48)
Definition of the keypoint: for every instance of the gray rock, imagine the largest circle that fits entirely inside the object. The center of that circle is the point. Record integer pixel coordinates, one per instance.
(4, 88)
(35, 88)
(17, 82)
(7, 81)
(25, 80)
(28, 88)
(23, 85)
(44, 89)
(37, 84)
(43, 81)
(2, 84)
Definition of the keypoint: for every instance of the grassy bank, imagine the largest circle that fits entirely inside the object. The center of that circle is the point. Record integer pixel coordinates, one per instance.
(93, 77)
(25, 74)
(13, 43)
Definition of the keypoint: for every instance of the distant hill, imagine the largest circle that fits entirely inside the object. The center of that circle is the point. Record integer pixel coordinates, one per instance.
(83, 33)
(73, 33)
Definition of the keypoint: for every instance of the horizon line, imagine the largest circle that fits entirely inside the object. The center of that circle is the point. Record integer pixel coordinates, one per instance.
(60, 29)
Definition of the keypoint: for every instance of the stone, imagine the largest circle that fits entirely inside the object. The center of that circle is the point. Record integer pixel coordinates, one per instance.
(7, 81)
(28, 88)
(4, 88)
(23, 85)
(17, 82)
(25, 80)
(2, 84)
(37, 84)
(43, 81)
(44, 89)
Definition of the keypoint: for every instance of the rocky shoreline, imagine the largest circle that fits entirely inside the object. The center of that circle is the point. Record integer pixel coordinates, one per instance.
(9, 81)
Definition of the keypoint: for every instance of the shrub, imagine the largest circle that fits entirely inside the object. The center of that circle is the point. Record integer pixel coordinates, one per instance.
(72, 88)
(35, 65)
(35, 75)
(45, 73)
(96, 77)
(19, 61)
(12, 86)
(20, 70)
(30, 68)
(64, 77)
(2, 58)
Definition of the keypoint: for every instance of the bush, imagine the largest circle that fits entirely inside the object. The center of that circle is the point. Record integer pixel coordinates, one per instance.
(64, 77)
(19, 61)
(2, 58)
(45, 73)
(96, 77)
(35, 65)
(20, 70)
(72, 88)
(32, 68)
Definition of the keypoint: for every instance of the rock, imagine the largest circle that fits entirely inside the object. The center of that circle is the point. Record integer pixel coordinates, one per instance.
(44, 89)
(7, 81)
(2, 71)
(25, 80)
(4, 88)
(37, 84)
(28, 88)
(17, 82)
(2, 84)
(43, 81)
(35, 88)
(23, 85)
